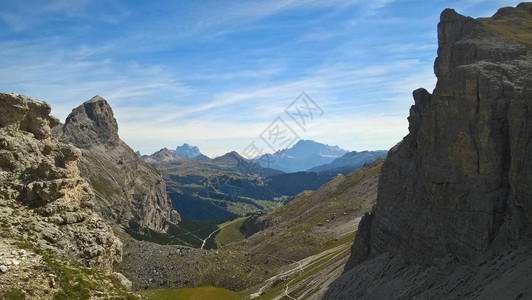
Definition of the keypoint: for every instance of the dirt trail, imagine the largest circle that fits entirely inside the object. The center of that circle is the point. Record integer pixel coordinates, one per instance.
(205, 240)
(218, 229)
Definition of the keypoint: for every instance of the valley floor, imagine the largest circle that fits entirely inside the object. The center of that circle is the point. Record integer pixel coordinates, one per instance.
(301, 248)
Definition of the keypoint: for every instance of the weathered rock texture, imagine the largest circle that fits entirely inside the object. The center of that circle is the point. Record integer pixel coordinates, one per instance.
(43, 199)
(457, 190)
(126, 188)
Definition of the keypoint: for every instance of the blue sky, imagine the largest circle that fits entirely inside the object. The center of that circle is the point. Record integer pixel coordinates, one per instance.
(216, 73)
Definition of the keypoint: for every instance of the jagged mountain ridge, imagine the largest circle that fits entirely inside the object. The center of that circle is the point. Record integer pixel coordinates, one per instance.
(202, 188)
(164, 155)
(453, 213)
(126, 188)
(188, 151)
(229, 185)
(231, 161)
(302, 156)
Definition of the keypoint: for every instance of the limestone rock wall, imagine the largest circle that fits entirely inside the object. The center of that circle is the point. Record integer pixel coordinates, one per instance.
(126, 188)
(44, 200)
(456, 191)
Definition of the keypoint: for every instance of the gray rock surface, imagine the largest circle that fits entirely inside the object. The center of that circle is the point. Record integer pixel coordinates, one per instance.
(456, 191)
(92, 123)
(124, 282)
(43, 199)
(254, 224)
(126, 188)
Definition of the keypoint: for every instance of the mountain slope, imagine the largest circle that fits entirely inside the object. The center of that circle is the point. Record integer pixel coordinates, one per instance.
(126, 188)
(234, 162)
(308, 234)
(229, 185)
(214, 189)
(351, 160)
(305, 154)
(453, 214)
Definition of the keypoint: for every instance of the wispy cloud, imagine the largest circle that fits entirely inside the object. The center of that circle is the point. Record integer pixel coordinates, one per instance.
(216, 73)
(23, 15)
(369, 97)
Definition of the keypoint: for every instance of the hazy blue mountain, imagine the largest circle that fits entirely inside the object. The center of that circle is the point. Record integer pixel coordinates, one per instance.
(201, 157)
(305, 154)
(351, 160)
(188, 151)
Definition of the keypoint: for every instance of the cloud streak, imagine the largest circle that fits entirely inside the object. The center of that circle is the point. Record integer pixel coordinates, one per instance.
(216, 73)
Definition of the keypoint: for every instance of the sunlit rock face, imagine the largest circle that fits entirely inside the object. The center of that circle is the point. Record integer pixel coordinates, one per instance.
(126, 188)
(44, 199)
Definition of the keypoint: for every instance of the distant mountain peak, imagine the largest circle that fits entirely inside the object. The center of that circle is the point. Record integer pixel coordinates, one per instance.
(163, 150)
(188, 151)
(302, 141)
(305, 154)
(232, 154)
(351, 160)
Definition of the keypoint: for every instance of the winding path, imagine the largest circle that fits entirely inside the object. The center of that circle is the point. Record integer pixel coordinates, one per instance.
(205, 240)
(218, 229)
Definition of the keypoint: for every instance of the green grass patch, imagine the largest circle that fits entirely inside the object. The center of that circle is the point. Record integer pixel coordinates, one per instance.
(199, 293)
(516, 26)
(79, 282)
(101, 187)
(13, 294)
(340, 241)
(186, 233)
(230, 232)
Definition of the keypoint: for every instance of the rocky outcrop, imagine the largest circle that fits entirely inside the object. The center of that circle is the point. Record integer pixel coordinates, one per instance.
(254, 224)
(456, 191)
(44, 201)
(126, 188)
(92, 123)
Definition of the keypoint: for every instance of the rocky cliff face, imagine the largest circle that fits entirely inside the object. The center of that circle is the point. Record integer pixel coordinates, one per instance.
(456, 191)
(44, 200)
(126, 188)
